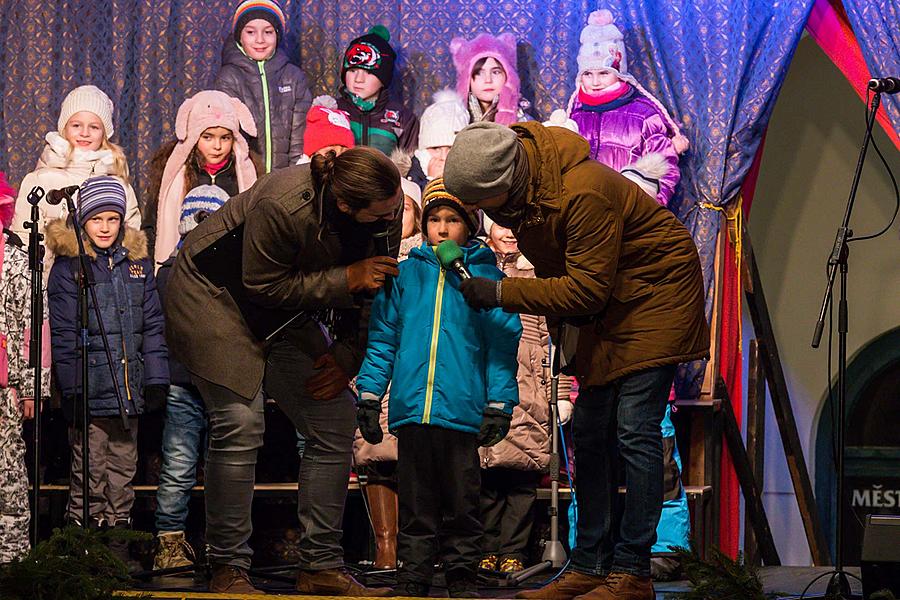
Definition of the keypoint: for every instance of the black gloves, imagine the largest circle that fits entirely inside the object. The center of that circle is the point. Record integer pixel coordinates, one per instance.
(155, 396)
(368, 417)
(481, 293)
(494, 427)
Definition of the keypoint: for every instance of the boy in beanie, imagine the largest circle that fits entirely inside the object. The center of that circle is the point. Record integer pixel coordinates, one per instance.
(448, 398)
(184, 434)
(130, 309)
(367, 70)
(327, 129)
(257, 72)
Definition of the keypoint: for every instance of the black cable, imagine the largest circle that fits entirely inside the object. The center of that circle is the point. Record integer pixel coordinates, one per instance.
(826, 574)
(893, 182)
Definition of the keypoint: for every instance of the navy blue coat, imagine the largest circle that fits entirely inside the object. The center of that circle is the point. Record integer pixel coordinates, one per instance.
(131, 313)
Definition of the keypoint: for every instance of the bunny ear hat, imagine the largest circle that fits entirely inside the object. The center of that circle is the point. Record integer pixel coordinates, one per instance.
(209, 108)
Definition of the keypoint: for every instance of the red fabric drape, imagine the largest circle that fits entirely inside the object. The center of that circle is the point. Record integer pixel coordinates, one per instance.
(731, 363)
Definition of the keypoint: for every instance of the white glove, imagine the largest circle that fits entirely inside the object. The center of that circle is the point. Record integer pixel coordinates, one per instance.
(564, 410)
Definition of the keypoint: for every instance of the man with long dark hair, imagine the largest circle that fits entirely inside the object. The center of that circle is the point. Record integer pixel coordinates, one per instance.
(302, 241)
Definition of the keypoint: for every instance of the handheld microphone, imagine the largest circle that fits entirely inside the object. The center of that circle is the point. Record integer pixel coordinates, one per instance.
(57, 196)
(885, 85)
(450, 256)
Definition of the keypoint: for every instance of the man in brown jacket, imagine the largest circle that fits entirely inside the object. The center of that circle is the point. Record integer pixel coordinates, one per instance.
(610, 259)
(302, 250)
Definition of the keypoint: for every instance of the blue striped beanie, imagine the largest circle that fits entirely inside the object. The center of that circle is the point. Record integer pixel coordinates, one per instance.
(99, 194)
(200, 201)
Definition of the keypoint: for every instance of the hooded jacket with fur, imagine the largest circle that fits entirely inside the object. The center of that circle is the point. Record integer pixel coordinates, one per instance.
(61, 166)
(603, 248)
(131, 313)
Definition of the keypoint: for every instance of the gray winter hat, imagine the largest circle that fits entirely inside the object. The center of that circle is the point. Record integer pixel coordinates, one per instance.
(481, 162)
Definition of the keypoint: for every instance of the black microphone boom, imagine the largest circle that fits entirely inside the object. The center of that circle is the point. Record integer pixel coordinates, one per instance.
(57, 196)
(885, 85)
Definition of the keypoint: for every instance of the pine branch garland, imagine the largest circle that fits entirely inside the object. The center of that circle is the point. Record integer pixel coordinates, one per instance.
(73, 564)
(719, 577)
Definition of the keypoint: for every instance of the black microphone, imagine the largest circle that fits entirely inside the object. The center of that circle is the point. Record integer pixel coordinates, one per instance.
(885, 85)
(451, 258)
(57, 196)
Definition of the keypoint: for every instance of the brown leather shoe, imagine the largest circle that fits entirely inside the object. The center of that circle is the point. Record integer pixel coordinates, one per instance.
(231, 579)
(622, 586)
(335, 582)
(566, 587)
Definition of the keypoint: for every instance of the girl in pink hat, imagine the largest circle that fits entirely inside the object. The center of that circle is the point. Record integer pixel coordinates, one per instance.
(486, 78)
(209, 150)
(628, 129)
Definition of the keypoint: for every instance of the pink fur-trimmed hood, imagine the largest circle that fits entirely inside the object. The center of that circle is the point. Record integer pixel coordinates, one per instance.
(7, 202)
(502, 48)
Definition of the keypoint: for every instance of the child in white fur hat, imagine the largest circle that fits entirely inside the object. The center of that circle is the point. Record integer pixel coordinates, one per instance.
(438, 127)
(78, 149)
(628, 129)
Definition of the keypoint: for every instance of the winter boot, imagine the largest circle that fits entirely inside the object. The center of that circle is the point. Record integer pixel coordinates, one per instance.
(383, 507)
(172, 551)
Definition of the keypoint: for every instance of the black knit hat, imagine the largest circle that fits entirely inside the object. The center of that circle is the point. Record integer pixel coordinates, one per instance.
(267, 10)
(373, 53)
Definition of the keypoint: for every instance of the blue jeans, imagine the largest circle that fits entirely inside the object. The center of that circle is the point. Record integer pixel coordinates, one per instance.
(620, 420)
(184, 438)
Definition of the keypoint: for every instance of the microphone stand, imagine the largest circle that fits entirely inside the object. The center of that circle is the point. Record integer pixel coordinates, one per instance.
(86, 287)
(839, 586)
(35, 354)
(554, 556)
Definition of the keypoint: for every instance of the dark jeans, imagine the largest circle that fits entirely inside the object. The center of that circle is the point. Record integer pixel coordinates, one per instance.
(507, 499)
(236, 428)
(439, 481)
(183, 443)
(620, 420)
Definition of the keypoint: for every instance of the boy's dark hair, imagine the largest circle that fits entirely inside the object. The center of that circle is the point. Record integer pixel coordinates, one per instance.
(357, 176)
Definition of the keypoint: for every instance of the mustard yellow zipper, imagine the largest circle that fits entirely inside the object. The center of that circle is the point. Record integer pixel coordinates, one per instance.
(432, 355)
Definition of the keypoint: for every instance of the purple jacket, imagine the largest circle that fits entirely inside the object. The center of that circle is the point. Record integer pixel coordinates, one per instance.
(626, 129)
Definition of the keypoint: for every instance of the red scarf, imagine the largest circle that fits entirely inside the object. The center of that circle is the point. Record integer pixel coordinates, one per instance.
(613, 92)
(213, 168)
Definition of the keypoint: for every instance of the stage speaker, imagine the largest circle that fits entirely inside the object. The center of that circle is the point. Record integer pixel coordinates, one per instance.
(880, 563)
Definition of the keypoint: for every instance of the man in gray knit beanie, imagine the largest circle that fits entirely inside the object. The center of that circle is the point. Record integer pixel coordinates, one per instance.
(607, 254)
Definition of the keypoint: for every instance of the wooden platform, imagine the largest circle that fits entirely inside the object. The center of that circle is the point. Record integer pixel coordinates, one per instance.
(787, 582)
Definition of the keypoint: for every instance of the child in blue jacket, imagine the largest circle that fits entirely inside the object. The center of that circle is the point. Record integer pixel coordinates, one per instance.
(453, 387)
(133, 321)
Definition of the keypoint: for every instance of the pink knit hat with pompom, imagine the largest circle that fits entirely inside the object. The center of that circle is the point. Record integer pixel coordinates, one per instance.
(603, 47)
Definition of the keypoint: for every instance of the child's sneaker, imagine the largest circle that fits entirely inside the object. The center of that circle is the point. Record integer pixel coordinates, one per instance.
(488, 563)
(510, 565)
(172, 551)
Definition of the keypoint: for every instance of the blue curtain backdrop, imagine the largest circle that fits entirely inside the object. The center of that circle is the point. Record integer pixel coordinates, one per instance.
(876, 24)
(717, 65)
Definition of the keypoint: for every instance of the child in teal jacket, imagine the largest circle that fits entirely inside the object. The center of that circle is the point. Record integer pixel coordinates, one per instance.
(453, 373)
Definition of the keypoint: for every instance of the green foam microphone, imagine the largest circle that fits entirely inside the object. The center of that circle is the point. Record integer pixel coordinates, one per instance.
(450, 256)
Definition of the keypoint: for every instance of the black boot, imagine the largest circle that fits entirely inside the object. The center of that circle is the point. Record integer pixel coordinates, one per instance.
(121, 548)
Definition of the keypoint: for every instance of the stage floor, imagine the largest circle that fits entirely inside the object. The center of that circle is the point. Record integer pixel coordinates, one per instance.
(787, 582)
